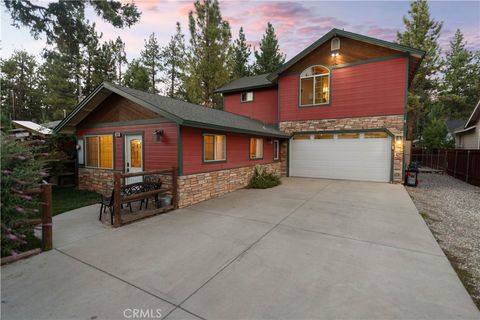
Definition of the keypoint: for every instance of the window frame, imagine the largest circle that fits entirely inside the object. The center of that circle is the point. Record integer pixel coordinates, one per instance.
(85, 139)
(329, 95)
(246, 93)
(276, 152)
(250, 147)
(214, 147)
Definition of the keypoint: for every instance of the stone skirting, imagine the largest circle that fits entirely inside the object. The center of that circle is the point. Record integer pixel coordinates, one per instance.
(99, 180)
(393, 123)
(199, 187)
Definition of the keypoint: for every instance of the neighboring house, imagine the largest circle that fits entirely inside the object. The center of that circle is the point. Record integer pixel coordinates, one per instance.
(28, 129)
(468, 135)
(336, 110)
(344, 101)
(118, 128)
(452, 126)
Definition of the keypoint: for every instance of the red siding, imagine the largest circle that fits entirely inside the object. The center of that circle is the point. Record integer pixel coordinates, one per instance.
(263, 107)
(158, 154)
(371, 89)
(237, 152)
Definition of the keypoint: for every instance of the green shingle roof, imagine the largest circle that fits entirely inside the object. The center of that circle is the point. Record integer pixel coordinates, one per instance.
(183, 113)
(245, 83)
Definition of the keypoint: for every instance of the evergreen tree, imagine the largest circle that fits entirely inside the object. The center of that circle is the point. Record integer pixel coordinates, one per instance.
(57, 85)
(208, 61)
(151, 59)
(120, 57)
(422, 32)
(268, 58)
(20, 96)
(137, 77)
(90, 54)
(105, 64)
(173, 56)
(460, 87)
(240, 55)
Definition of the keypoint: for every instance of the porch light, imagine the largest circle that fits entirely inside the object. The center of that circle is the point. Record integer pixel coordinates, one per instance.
(158, 133)
(398, 140)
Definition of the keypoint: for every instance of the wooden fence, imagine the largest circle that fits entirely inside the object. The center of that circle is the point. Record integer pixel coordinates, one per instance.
(459, 163)
(169, 186)
(45, 194)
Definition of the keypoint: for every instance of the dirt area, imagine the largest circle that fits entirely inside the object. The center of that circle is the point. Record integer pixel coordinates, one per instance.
(451, 208)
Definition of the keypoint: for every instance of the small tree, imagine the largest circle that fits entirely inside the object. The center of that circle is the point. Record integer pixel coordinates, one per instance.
(268, 58)
(435, 134)
(21, 170)
(136, 77)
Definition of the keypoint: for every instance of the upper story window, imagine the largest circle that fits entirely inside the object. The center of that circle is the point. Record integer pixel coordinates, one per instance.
(99, 151)
(315, 86)
(246, 96)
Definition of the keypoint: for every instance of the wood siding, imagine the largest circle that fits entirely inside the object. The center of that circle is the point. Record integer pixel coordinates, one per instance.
(238, 146)
(157, 154)
(371, 89)
(263, 107)
(117, 108)
(350, 51)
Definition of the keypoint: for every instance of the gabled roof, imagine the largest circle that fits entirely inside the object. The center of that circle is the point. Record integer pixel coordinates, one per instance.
(455, 124)
(474, 116)
(181, 112)
(32, 127)
(245, 83)
(355, 36)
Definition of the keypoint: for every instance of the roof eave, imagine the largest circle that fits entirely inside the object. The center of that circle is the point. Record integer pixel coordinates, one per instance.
(195, 124)
(245, 88)
(477, 109)
(465, 130)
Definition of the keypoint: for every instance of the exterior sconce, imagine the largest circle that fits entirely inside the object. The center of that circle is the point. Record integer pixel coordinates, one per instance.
(118, 134)
(158, 133)
(398, 140)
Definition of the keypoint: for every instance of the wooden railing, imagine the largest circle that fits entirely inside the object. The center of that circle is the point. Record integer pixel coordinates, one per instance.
(169, 186)
(460, 163)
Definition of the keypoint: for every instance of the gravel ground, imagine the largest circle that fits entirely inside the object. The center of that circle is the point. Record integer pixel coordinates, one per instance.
(451, 208)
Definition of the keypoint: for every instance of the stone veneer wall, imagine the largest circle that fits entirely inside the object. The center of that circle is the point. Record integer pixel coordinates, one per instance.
(99, 180)
(393, 123)
(199, 187)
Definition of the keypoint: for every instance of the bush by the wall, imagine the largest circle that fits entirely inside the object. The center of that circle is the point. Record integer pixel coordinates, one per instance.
(263, 180)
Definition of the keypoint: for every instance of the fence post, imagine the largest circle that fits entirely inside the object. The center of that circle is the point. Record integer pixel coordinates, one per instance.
(468, 166)
(117, 199)
(455, 166)
(438, 159)
(47, 239)
(175, 187)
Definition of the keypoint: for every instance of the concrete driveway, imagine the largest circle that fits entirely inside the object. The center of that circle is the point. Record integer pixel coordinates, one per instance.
(309, 248)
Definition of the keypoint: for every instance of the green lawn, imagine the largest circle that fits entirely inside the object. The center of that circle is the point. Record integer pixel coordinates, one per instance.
(65, 199)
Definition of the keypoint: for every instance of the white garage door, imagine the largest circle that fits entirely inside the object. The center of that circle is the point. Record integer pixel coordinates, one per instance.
(352, 156)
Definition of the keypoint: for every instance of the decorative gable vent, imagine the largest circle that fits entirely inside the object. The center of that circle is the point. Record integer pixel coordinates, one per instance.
(335, 44)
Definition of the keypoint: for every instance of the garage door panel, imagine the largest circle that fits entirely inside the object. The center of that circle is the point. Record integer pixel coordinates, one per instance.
(353, 159)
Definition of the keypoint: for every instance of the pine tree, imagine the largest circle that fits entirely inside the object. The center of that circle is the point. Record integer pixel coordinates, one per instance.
(137, 77)
(208, 60)
(120, 56)
(173, 57)
(151, 59)
(90, 53)
(20, 96)
(105, 64)
(460, 86)
(268, 58)
(240, 55)
(57, 85)
(422, 32)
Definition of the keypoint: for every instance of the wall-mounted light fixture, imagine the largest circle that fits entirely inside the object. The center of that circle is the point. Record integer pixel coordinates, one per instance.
(118, 134)
(158, 133)
(398, 140)
(335, 47)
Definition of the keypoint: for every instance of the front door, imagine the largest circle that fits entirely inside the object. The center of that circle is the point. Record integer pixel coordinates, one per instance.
(133, 156)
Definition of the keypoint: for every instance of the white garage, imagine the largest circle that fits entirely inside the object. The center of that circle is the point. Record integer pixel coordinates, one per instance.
(365, 156)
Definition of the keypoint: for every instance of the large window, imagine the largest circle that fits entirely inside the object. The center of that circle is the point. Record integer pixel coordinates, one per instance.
(99, 151)
(214, 147)
(246, 96)
(256, 148)
(315, 86)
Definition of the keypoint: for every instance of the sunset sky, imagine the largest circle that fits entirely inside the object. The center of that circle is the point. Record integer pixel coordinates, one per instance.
(297, 24)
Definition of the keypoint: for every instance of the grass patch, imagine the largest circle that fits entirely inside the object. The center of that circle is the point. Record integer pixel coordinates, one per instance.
(66, 199)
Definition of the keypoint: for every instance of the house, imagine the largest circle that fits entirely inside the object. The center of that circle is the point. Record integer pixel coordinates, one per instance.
(28, 129)
(118, 128)
(468, 135)
(452, 126)
(336, 110)
(343, 99)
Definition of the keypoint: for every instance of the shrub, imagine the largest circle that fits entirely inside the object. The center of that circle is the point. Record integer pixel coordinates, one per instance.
(263, 180)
